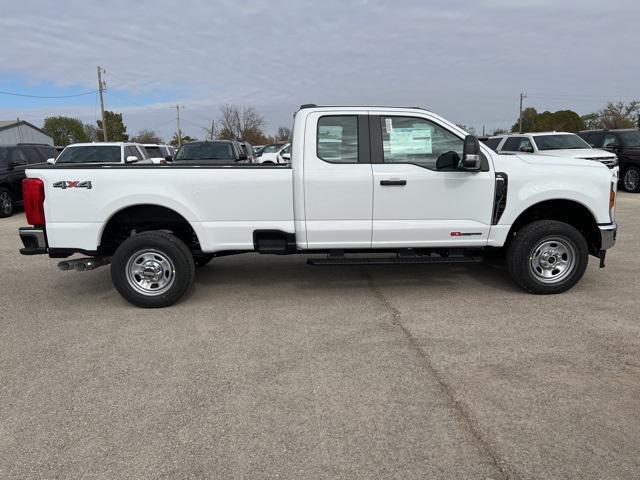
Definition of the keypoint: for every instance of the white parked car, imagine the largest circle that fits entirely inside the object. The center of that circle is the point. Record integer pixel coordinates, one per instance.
(102, 152)
(158, 153)
(556, 144)
(366, 185)
(278, 154)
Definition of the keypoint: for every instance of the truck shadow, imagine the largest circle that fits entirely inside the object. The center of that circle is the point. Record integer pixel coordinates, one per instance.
(269, 272)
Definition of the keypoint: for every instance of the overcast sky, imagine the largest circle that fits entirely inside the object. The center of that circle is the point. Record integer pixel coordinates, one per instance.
(466, 60)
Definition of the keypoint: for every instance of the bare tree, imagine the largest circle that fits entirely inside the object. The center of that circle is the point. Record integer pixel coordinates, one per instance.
(237, 123)
(146, 136)
(284, 134)
(614, 115)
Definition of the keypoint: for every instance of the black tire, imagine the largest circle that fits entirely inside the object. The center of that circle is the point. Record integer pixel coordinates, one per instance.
(6, 203)
(202, 260)
(547, 257)
(631, 179)
(153, 253)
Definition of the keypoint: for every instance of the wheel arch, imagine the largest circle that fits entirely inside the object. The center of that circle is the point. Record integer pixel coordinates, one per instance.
(564, 210)
(145, 217)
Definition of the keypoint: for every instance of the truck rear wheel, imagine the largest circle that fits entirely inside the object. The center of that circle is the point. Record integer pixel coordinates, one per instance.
(152, 269)
(547, 256)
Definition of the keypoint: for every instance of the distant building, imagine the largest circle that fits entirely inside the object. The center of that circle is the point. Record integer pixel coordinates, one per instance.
(19, 131)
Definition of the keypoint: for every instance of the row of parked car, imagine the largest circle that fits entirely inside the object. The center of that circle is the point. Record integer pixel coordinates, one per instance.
(611, 147)
(14, 159)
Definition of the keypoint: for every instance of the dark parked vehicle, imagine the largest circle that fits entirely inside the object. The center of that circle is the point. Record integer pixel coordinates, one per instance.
(14, 159)
(223, 152)
(625, 143)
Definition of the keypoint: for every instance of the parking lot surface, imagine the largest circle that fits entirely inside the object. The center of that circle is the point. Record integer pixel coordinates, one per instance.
(270, 368)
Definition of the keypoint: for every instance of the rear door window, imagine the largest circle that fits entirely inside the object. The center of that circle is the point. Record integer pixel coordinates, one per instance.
(337, 139)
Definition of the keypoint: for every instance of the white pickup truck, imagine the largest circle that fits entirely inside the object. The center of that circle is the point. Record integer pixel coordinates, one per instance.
(365, 185)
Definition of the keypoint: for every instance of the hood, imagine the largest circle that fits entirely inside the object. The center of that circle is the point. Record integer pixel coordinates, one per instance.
(582, 153)
(536, 159)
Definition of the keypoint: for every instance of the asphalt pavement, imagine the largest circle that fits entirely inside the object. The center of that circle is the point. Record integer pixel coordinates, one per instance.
(271, 368)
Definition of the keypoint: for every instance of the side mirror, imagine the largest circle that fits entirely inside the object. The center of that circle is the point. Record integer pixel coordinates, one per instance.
(168, 158)
(131, 159)
(471, 156)
(286, 156)
(51, 161)
(528, 149)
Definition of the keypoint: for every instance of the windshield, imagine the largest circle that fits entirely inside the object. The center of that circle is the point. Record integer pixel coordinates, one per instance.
(559, 142)
(205, 151)
(155, 152)
(90, 154)
(631, 138)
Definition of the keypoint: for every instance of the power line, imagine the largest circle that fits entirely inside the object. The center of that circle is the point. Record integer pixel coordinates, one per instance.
(125, 99)
(47, 96)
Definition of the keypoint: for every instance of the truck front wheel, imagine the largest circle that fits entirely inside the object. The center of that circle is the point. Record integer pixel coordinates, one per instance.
(152, 269)
(547, 256)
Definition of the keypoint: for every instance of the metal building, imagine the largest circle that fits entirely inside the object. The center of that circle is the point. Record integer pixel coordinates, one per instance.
(19, 131)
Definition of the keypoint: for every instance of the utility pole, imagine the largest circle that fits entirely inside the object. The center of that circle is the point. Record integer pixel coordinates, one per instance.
(522, 95)
(101, 87)
(212, 127)
(179, 131)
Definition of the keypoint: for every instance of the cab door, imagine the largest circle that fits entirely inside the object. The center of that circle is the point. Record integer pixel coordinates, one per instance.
(338, 192)
(420, 197)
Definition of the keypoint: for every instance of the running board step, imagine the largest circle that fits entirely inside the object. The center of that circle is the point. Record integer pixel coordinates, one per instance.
(392, 261)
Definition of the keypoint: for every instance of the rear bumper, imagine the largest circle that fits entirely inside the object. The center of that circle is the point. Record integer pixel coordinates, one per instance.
(608, 234)
(34, 240)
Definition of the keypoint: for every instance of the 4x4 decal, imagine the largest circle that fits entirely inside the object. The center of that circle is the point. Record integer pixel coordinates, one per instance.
(64, 184)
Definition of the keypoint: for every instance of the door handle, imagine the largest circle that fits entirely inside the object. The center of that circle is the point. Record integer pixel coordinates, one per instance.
(390, 183)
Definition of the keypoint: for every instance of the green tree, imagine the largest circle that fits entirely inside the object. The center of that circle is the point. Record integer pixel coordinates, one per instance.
(116, 129)
(146, 136)
(529, 116)
(65, 130)
(560, 121)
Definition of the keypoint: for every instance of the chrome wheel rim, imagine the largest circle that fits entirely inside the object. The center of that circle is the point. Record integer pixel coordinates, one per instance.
(150, 272)
(5, 203)
(552, 260)
(631, 179)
